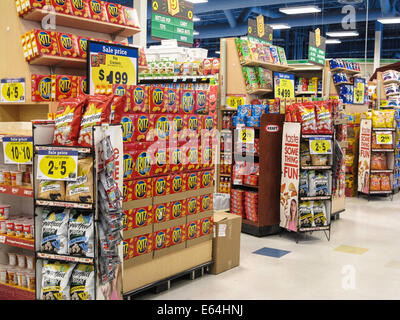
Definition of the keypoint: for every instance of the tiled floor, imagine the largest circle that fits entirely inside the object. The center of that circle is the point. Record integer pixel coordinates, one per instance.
(361, 261)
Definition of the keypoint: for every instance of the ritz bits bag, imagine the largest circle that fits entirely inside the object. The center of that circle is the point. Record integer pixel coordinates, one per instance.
(306, 114)
(68, 119)
(98, 110)
(323, 115)
(81, 189)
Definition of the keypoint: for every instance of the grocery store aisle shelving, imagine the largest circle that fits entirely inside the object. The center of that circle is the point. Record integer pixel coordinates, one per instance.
(314, 269)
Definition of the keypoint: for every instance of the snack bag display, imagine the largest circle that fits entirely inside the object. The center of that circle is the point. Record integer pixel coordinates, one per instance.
(319, 159)
(51, 190)
(80, 8)
(137, 189)
(375, 183)
(161, 212)
(140, 217)
(318, 183)
(97, 111)
(319, 213)
(81, 190)
(81, 234)
(305, 157)
(54, 236)
(303, 184)
(115, 13)
(67, 121)
(41, 87)
(306, 113)
(187, 100)
(389, 118)
(378, 161)
(82, 283)
(305, 214)
(117, 107)
(324, 121)
(97, 10)
(264, 78)
(46, 42)
(250, 78)
(64, 86)
(56, 280)
(68, 45)
(385, 182)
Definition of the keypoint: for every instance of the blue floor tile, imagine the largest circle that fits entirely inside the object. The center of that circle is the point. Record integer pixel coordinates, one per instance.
(271, 252)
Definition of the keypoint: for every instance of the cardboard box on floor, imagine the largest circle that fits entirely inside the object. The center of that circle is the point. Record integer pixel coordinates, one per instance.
(226, 241)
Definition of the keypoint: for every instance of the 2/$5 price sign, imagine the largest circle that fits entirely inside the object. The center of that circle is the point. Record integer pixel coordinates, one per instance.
(111, 64)
(57, 165)
(320, 145)
(283, 85)
(18, 150)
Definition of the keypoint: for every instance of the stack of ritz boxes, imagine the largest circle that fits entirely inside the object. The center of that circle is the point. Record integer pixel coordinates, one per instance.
(168, 174)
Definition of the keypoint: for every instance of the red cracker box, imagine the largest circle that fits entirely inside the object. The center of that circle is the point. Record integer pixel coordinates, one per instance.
(206, 202)
(98, 10)
(41, 87)
(161, 185)
(208, 123)
(137, 160)
(82, 83)
(61, 6)
(158, 100)
(178, 209)
(68, 45)
(161, 239)
(115, 13)
(140, 217)
(193, 125)
(192, 230)
(159, 152)
(80, 8)
(192, 206)
(201, 102)
(143, 244)
(192, 180)
(136, 127)
(46, 42)
(64, 86)
(172, 96)
(124, 90)
(178, 126)
(206, 226)
(187, 101)
(128, 248)
(191, 156)
(139, 102)
(162, 124)
(207, 153)
(131, 17)
(177, 235)
(177, 183)
(161, 212)
(213, 99)
(82, 46)
(206, 178)
(176, 157)
(137, 189)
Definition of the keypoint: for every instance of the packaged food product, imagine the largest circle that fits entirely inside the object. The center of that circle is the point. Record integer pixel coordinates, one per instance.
(206, 226)
(305, 157)
(143, 244)
(80, 234)
(378, 119)
(378, 161)
(19, 228)
(250, 78)
(56, 280)
(206, 202)
(139, 96)
(177, 209)
(97, 111)
(306, 113)
(161, 212)
(137, 218)
(4, 211)
(137, 127)
(179, 126)
(82, 283)
(67, 45)
(28, 229)
(7, 177)
(60, 6)
(264, 77)
(46, 42)
(55, 230)
(12, 259)
(68, 119)
(187, 101)
(319, 159)
(82, 86)
(215, 66)
(318, 183)
(375, 183)
(389, 118)
(131, 17)
(115, 13)
(117, 107)
(21, 261)
(51, 190)
(97, 10)
(80, 8)
(172, 100)
(3, 227)
(244, 51)
(305, 214)
(303, 184)
(137, 161)
(3, 274)
(319, 213)
(30, 262)
(12, 276)
(385, 182)
(10, 225)
(177, 235)
(82, 47)
(324, 121)
(64, 86)
(30, 279)
(41, 88)
(201, 102)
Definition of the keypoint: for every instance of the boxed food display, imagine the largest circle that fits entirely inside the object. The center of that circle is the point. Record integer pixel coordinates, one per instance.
(192, 125)
(137, 189)
(206, 178)
(60, 6)
(162, 126)
(161, 212)
(98, 10)
(131, 17)
(137, 161)
(201, 104)
(161, 159)
(161, 239)
(42, 89)
(187, 100)
(82, 82)
(67, 45)
(177, 234)
(172, 100)
(192, 180)
(206, 225)
(178, 209)
(142, 244)
(115, 13)
(191, 156)
(206, 202)
(161, 185)
(178, 183)
(45, 42)
(176, 157)
(64, 87)
(158, 100)
(178, 126)
(250, 78)
(140, 99)
(82, 46)
(192, 206)
(140, 217)
(80, 8)
(192, 230)
(136, 127)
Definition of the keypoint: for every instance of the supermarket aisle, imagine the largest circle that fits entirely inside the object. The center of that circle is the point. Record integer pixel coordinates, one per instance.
(314, 269)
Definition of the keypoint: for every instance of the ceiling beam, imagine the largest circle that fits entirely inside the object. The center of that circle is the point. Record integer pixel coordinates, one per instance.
(231, 18)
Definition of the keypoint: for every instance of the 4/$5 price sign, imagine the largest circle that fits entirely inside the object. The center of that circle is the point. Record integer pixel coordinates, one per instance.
(12, 90)
(18, 150)
(57, 165)
(110, 64)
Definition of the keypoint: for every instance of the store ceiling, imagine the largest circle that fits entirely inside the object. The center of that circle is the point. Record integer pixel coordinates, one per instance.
(228, 18)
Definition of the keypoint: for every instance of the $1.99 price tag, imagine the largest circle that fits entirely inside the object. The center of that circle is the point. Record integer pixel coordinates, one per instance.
(246, 135)
(384, 138)
(320, 146)
(57, 165)
(18, 150)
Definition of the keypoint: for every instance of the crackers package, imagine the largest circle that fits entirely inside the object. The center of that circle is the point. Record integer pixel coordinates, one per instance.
(176, 158)
(137, 189)
(215, 65)
(162, 125)
(82, 46)
(98, 10)
(192, 125)
(115, 13)
(140, 217)
(207, 153)
(131, 17)
(136, 127)
(137, 161)
(192, 206)
(81, 190)
(41, 87)
(178, 209)
(46, 42)
(206, 178)
(206, 226)
(178, 126)
(177, 235)
(68, 45)
(172, 100)
(192, 230)
(187, 100)
(161, 212)
(64, 86)
(139, 102)
(323, 115)
(158, 100)
(161, 239)
(143, 244)
(61, 6)
(201, 102)
(177, 183)
(250, 78)
(80, 8)
(160, 155)
(82, 86)
(282, 55)
(191, 156)
(161, 185)
(128, 249)
(117, 107)
(206, 202)
(192, 180)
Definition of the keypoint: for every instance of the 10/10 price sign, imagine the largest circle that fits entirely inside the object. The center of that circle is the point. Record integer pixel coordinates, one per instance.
(18, 150)
(57, 165)
(110, 64)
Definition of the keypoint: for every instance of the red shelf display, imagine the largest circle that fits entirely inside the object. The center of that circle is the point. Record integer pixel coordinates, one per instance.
(18, 191)
(10, 292)
(17, 242)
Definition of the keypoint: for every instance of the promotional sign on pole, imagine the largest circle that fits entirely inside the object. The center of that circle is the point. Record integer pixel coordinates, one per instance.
(12, 90)
(18, 150)
(259, 31)
(316, 48)
(364, 159)
(109, 64)
(283, 85)
(289, 200)
(359, 91)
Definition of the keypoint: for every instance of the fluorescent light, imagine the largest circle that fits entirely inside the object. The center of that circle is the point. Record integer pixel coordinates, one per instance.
(218, 52)
(300, 10)
(197, 1)
(389, 20)
(195, 19)
(342, 34)
(279, 26)
(328, 41)
(195, 33)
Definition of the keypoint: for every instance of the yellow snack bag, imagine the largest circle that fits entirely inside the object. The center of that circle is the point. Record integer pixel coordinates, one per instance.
(378, 119)
(368, 114)
(389, 118)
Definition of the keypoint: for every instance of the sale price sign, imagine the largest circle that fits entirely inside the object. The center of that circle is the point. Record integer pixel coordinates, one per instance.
(384, 138)
(246, 135)
(57, 165)
(110, 64)
(320, 146)
(12, 90)
(283, 85)
(18, 150)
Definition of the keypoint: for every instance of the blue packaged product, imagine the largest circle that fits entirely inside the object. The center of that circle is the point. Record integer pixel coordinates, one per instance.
(266, 108)
(251, 121)
(256, 110)
(244, 110)
(237, 120)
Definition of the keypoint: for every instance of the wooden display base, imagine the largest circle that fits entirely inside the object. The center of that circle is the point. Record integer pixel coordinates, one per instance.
(252, 228)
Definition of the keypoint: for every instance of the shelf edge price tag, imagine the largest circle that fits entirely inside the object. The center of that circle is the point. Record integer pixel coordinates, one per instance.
(320, 146)
(234, 101)
(57, 165)
(12, 90)
(384, 138)
(18, 150)
(246, 135)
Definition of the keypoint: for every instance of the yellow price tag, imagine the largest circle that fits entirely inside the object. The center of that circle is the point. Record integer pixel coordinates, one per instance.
(13, 90)
(384, 138)
(246, 135)
(359, 90)
(57, 165)
(284, 86)
(320, 146)
(17, 150)
(234, 101)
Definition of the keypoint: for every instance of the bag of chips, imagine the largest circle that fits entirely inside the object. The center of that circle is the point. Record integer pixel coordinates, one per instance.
(378, 161)
(389, 118)
(375, 183)
(319, 159)
(55, 280)
(68, 119)
(305, 214)
(306, 114)
(55, 230)
(318, 183)
(81, 190)
(51, 190)
(323, 112)
(378, 119)
(319, 213)
(305, 157)
(117, 108)
(98, 109)
(82, 283)
(80, 234)
(385, 182)
(303, 184)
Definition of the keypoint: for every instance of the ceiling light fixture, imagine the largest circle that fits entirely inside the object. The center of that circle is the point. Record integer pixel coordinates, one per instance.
(195, 33)
(195, 19)
(389, 20)
(279, 26)
(329, 41)
(197, 1)
(218, 52)
(342, 34)
(300, 10)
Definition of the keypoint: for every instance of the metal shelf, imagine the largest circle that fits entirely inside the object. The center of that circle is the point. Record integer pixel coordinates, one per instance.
(66, 258)
(64, 204)
(315, 198)
(28, 244)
